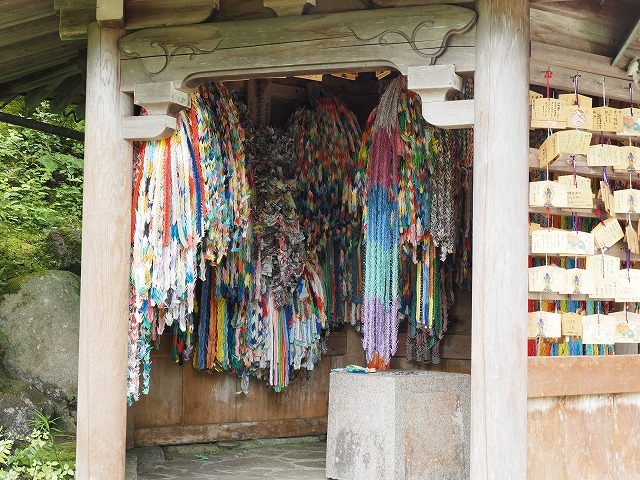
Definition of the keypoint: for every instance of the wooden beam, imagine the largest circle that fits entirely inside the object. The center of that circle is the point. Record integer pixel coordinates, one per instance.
(630, 38)
(543, 54)
(73, 22)
(110, 13)
(560, 376)
(36, 96)
(104, 290)
(590, 84)
(500, 232)
(158, 13)
(353, 41)
(41, 126)
(176, 434)
(70, 89)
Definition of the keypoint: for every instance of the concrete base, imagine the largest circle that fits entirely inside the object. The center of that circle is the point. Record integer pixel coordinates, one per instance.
(399, 425)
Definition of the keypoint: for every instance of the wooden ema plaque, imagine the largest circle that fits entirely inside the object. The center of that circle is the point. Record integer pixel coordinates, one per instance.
(630, 123)
(547, 113)
(544, 324)
(579, 194)
(548, 194)
(607, 119)
(629, 159)
(569, 141)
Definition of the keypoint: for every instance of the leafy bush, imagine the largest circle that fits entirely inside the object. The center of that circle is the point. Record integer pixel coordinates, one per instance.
(40, 188)
(39, 456)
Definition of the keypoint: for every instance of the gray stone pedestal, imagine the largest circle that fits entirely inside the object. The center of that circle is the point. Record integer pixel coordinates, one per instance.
(398, 425)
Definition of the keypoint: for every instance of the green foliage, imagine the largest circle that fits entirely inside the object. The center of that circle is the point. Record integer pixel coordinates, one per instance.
(40, 188)
(42, 455)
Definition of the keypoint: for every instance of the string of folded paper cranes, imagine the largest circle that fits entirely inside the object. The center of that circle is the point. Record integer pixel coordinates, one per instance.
(249, 243)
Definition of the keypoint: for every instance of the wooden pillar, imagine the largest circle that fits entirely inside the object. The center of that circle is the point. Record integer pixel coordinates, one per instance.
(500, 229)
(104, 291)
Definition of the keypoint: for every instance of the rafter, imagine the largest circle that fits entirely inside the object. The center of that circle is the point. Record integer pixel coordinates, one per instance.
(625, 45)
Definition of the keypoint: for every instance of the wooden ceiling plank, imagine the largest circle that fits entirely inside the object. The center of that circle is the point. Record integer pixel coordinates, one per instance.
(20, 15)
(28, 30)
(27, 82)
(34, 63)
(625, 45)
(46, 45)
(599, 35)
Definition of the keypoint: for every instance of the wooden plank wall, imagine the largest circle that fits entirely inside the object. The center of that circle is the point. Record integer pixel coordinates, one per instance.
(586, 436)
(189, 406)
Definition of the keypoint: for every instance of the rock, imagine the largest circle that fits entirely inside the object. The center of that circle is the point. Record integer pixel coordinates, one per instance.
(18, 402)
(64, 245)
(41, 323)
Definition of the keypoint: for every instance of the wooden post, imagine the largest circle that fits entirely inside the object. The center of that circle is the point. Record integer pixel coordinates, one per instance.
(104, 291)
(500, 229)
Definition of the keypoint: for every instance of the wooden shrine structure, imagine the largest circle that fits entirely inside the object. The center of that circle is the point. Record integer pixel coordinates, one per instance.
(531, 417)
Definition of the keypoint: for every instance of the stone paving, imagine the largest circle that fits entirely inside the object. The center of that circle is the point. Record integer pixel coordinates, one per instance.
(282, 460)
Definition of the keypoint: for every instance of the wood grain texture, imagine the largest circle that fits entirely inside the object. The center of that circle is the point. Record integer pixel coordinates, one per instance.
(499, 394)
(253, 406)
(600, 34)
(230, 431)
(207, 397)
(626, 441)
(104, 290)
(584, 436)
(164, 403)
(558, 376)
(589, 430)
(545, 439)
(314, 400)
(331, 42)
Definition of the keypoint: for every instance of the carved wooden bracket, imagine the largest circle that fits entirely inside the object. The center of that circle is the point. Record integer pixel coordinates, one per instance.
(287, 8)
(397, 38)
(162, 102)
(437, 85)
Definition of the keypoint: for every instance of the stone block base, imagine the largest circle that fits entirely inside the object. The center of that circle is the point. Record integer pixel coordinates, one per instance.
(399, 425)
